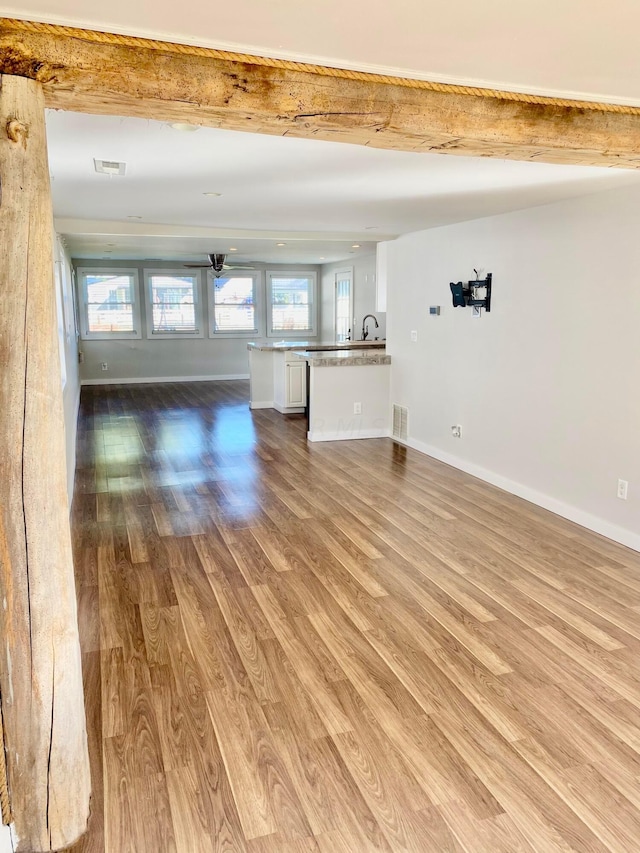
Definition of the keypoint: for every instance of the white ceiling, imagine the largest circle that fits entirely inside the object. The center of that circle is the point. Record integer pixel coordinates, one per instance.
(317, 197)
(320, 197)
(579, 48)
(89, 240)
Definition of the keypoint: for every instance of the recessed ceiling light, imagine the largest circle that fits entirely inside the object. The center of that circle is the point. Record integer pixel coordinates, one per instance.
(356, 246)
(371, 227)
(322, 257)
(213, 195)
(184, 126)
(281, 244)
(232, 249)
(134, 217)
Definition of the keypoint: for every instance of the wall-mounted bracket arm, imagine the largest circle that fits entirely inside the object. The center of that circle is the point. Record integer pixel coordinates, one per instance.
(476, 293)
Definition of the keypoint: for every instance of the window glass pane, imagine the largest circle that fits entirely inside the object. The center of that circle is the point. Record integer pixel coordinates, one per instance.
(343, 309)
(290, 304)
(109, 302)
(234, 304)
(173, 301)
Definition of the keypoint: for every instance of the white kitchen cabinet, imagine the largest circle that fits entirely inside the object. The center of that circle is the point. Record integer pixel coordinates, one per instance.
(296, 384)
(289, 383)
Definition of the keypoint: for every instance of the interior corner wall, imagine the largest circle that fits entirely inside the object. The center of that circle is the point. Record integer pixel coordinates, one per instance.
(545, 386)
(68, 341)
(148, 360)
(364, 296)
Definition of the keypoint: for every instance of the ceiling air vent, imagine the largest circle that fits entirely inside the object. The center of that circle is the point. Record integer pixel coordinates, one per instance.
(109, 167)
(400, 422)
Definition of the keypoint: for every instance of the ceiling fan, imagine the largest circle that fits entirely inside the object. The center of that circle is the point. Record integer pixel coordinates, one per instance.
(217, 265)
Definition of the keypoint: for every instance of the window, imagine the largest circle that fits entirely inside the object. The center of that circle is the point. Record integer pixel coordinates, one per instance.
(232, 305)
(109, 303)
(291, 303)
(173, 307)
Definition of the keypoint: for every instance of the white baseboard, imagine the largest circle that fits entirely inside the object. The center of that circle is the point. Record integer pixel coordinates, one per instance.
(288, 410)
(152, 380)
(572, 513)
(339, 435)
(271, 404)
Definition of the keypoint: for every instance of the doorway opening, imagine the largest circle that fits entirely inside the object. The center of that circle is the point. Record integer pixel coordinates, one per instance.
(344, 305)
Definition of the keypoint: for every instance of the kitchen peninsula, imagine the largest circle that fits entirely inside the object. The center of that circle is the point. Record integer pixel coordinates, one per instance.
(348, 385)
(278, 379)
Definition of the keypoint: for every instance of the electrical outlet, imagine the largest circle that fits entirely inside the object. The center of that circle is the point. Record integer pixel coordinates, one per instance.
(623, 488)
(104, 365)
(456, 431)
(357, 408)
(414, 336)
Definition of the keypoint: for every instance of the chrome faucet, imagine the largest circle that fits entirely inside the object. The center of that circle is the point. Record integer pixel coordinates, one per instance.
(365, 330)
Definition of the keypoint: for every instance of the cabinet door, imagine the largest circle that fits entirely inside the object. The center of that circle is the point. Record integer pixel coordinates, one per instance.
(296, 384)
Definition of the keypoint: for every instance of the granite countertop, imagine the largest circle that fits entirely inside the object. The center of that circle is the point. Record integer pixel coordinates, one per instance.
(313, 346)
(343, 358)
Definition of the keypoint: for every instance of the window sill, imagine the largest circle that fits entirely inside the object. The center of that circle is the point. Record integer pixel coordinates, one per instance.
(240, 334)
(174, 336)
(110, 336)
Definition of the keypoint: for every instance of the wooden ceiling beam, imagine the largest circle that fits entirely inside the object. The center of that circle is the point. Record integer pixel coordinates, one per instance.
(102, 73)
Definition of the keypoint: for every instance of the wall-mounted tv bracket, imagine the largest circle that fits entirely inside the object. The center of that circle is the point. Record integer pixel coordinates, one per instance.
(477, 293)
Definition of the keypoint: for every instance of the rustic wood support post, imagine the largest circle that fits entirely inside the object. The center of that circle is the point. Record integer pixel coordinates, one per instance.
(40, 665)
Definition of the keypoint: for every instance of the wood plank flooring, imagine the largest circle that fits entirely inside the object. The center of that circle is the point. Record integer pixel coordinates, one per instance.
(340, 648)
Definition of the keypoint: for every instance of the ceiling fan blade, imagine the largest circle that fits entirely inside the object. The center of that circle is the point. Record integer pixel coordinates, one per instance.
(217, 265)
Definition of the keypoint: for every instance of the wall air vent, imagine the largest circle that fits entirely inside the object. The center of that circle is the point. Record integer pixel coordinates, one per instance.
(109, 167)
(400, 428)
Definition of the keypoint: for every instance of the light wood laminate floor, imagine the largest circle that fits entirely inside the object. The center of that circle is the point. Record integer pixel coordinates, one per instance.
(340, 647)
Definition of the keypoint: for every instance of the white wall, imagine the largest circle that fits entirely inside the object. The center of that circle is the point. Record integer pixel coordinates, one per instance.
(5, 839)
(364, 296)
(545, 387)
(157, 359)
(67, 337)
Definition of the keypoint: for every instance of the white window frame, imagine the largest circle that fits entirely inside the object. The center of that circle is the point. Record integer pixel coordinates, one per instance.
(199, 313)
(257, 307)
(293, 333)
(85, 334)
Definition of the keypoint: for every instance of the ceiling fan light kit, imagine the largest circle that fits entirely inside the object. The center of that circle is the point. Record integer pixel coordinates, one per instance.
(218, 266)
